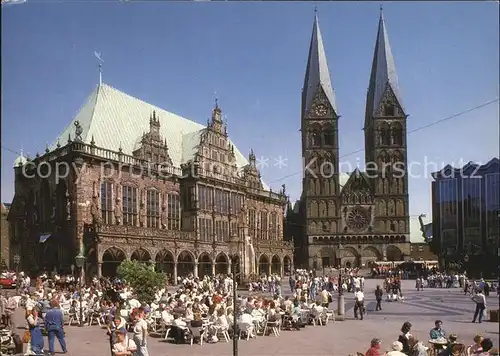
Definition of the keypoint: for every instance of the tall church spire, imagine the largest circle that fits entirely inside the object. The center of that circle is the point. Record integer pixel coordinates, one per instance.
(383, 74)
(317, 74)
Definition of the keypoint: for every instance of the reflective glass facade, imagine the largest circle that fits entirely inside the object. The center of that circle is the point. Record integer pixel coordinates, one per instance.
(466, 208)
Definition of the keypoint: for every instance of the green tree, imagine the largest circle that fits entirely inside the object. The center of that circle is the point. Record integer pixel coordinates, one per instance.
(143, 278)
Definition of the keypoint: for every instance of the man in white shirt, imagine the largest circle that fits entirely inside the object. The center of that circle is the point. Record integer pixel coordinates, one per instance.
(359, 303)
(480, 301)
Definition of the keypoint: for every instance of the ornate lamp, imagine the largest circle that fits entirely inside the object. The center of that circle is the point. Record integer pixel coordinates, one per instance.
(234, 250)
(80, 261)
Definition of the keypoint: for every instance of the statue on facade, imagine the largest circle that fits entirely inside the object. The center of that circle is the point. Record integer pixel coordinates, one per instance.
(95, 213)
(118, 211)
(78, 131)
(164, 216)
(68, 206)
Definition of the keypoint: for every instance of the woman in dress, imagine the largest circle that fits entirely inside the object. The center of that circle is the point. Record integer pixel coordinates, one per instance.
(36, 340)
(141, 333)
(405, 337)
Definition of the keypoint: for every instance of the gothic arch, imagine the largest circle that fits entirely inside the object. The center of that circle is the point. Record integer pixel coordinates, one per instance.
(372, 252)
(111, 259)
(312, 227)
(381, 226)
(312, 186)
(322, 209)
(332, 209)
(400, 207)
(204, 264)
(402, 226)
(333, 226)
(394, 253)
(391, 207)
(384, 134)
(397, 134)
(382, 208)
(263, 264)
(165, 262)
(314, 210)
(185, 263)
(141, 255)
(222, 263)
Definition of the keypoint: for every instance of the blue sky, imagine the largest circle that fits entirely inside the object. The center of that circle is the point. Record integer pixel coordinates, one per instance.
(253, 54)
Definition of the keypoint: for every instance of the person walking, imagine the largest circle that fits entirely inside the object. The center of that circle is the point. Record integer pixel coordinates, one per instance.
(480, 301)
(141, 333)
(378, 297)
(54, 324)
(359, 300)
(36, 338)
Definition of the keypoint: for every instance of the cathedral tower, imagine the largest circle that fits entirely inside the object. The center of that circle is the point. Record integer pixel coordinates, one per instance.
(385, 141)
(320, 153)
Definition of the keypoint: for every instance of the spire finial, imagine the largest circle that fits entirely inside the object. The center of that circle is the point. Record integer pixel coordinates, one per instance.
(100, 62)
(315, 10)
(381, 10)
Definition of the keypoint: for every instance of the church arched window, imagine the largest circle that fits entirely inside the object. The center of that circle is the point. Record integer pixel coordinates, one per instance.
(314, 139)
(329, 137)
(389, 110)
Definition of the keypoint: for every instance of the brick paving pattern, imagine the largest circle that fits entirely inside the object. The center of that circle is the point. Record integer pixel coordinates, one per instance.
(339, 339)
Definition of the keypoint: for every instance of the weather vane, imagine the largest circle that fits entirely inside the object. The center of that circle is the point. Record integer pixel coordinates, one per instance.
(100, 62)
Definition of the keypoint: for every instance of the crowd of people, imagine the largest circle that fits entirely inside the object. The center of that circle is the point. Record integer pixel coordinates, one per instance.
(201, 309)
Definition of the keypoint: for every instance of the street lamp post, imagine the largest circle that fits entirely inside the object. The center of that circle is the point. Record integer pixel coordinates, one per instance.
(80, 260)
(17, 259)
(234, 245)
(340, 301)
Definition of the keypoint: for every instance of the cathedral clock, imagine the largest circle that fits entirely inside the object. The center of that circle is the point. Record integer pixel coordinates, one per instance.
(358, 219)
(320, 110)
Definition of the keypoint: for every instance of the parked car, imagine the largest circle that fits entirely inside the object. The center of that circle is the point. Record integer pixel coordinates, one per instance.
(7, 281)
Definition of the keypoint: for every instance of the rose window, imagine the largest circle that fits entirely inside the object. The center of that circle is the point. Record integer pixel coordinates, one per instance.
(358, 219)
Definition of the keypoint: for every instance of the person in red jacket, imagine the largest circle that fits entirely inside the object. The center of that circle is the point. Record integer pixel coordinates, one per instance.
(374, 349)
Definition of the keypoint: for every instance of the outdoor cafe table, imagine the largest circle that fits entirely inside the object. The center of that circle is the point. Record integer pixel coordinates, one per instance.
(437, 345)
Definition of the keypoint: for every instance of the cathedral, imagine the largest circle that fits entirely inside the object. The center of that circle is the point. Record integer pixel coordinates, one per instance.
(351, 219)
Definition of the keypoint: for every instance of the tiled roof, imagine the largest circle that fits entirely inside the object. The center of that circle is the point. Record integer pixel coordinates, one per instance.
(317, 74)
(117, 120)
(383, 74)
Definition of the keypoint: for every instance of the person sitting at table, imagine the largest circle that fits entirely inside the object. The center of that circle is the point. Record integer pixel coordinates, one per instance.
(437, 331)
(374, 349)
(178, 329)
(405, 336)
(452, 340)
(396, 349)
(166, 317)
(476, 348)
(417, 348)
(487, 346)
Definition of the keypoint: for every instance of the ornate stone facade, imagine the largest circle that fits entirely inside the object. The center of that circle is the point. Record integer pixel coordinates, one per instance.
(356, 218)
(114, 206)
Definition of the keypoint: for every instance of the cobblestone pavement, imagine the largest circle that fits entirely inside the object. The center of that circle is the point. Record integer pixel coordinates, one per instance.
(338, 339)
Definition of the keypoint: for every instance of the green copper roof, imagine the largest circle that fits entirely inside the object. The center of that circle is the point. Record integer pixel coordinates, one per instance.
(117, 120)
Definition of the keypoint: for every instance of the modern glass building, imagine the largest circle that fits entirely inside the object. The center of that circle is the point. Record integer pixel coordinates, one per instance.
(466, 215)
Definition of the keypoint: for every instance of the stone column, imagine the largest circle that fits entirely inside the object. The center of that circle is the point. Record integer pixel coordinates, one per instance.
(195, 272)
(99, 269)
(213, 268)
(229, 265)
(270, 268)
(175, 273)
(282, 270)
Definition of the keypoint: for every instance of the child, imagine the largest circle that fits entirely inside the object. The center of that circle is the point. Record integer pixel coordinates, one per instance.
(476, 347)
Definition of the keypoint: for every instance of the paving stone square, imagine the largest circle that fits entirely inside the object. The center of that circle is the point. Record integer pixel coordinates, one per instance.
(340, 339)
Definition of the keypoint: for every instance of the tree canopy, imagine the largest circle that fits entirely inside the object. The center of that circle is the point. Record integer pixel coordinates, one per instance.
(143, 278)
